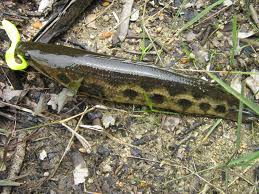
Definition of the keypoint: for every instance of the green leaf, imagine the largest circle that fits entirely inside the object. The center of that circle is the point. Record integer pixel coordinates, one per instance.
(239, 122)
(244, 160)
(148, 101)
(199, 16)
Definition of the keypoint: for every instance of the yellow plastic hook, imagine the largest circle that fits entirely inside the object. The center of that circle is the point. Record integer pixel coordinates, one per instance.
(15, 38)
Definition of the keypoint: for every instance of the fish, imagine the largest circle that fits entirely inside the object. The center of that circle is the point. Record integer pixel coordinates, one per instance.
(122, 81)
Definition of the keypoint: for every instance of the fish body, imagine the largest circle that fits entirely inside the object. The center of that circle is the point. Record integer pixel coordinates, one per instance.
(123, 81)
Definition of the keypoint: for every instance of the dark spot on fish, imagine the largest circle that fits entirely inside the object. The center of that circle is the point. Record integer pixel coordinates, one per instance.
(220, 108)
(175, 90)
(130, 93)
(93, 90)
(147, 86)
(184, 103)
(157, 98)
(204, 106)
(197, 94)
(63, 78)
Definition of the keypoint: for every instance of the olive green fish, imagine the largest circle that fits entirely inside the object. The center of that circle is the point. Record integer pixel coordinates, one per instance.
(123, 81)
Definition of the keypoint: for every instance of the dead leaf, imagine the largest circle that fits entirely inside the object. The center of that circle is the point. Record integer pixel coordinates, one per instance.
(236, 83)
(53, 102)
(253, 83)
(57, 102)
(190, 36)
(90, 21)
(108, 121)
(105, 35)
(201, 53)
(200, 3)
(41, 105)
(45, 4)
(63, 97)
(8, 94)
(43, 154)
(81, 171)
(242, 35)
(227, 3)
(170, 122)
(135, 15)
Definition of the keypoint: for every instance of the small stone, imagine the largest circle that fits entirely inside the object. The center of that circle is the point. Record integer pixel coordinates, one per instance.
(159, 29)
(105, 35)
(44, 5)
(119, 184)
(46, 174)
(190, 36)
(170, 122)
(135, 15)
(106, 3)
(184, 60)
(83, 150)
(92, 36)
(161, 17)
(106, 168)
(37, 25)
(106, 18)
(52, 192)
(94, 115)
(90, 180)
(43, 155)
(108, 121)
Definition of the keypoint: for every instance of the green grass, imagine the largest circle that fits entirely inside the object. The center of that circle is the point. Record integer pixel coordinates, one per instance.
(199, 16)
(239, 123)
(143, 47)
(211, 129)
(245, 160)
(148, 101)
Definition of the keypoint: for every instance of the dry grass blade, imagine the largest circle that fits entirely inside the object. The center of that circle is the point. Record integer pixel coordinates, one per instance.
(80, 138)
(211, 129)
(9, 183)
(125, 17)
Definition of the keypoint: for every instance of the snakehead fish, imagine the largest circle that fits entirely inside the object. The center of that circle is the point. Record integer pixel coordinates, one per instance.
(123, 81)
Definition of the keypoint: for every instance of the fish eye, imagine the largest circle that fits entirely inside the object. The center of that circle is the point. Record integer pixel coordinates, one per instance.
(27, 56)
